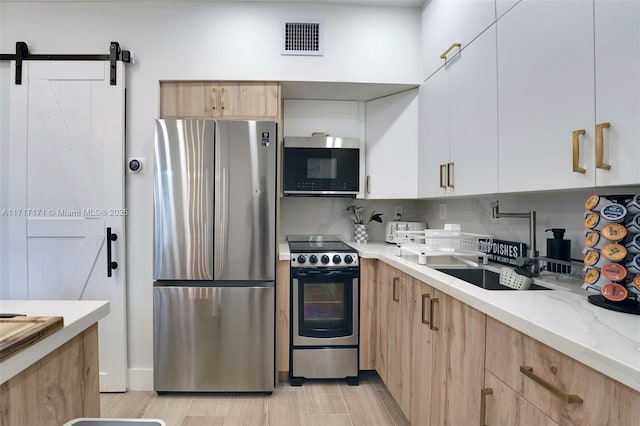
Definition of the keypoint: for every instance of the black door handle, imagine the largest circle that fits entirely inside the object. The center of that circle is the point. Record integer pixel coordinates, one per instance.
(110, 264)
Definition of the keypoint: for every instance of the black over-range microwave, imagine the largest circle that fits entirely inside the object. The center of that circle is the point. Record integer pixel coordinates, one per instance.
(323, 166)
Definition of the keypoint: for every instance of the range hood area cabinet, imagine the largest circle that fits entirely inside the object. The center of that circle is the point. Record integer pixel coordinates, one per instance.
(216, 99)
(546, 62)
(391, 146)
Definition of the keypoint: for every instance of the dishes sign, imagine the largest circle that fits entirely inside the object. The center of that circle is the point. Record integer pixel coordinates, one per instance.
(503, 252)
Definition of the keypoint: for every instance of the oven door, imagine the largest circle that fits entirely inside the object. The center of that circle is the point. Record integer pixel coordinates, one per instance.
(325, 307)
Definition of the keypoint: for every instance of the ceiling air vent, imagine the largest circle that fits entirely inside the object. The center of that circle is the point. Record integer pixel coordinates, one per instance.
(302, 38)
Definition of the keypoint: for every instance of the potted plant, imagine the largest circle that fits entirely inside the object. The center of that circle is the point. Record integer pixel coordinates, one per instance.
(356, 213)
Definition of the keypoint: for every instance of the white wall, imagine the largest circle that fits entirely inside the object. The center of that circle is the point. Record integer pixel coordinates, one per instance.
(196, 40)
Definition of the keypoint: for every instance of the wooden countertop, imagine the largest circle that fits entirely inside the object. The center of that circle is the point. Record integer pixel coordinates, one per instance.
(20, 332)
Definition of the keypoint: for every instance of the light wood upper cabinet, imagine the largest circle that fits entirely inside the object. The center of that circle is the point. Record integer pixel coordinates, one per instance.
(555, 383)
(231, 100)
(391, 145)
(617, 71)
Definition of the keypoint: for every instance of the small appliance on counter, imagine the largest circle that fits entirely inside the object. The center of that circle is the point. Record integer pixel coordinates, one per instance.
(392, 226)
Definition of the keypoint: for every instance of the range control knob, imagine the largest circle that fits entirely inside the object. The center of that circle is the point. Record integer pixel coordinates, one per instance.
(348, 259)
(337, 259)
(313, 259)
(301, 259)
(324, 259)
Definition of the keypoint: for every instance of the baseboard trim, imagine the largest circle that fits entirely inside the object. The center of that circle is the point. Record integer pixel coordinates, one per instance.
(140, 379)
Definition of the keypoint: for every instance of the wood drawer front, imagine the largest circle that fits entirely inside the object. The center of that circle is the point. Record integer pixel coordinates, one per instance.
(506, 407)
(606, 402)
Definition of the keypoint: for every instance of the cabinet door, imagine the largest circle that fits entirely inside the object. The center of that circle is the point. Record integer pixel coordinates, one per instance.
(458, 362)
(473, 107)
(617, 56)
(422, 360)
(392, 146)
(433, 135)
(283, 294)
(367, 314)
(399, 329)
(248, 100)
(545, 93)
(445, 22)
(505, 407)
(383, 300)
(185, 99)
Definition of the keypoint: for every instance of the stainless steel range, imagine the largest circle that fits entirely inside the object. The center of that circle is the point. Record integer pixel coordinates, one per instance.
(325, 310)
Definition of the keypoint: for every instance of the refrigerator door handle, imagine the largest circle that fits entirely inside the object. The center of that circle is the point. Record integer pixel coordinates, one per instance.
(223, 226)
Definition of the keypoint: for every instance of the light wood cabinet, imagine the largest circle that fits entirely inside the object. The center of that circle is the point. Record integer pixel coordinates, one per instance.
(367, 314)
(283, 293)
(225, 100)
(384, 275)
(458, 127)
(565, 390)
(422, 350)
(391, 144)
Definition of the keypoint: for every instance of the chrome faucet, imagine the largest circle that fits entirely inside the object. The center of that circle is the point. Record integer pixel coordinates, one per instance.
(532, 258)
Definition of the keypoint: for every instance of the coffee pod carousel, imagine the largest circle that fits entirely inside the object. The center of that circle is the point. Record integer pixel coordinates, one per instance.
(612, 252)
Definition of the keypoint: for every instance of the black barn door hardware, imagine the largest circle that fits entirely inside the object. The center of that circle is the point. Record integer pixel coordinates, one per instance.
(111, 265)
(22, 54)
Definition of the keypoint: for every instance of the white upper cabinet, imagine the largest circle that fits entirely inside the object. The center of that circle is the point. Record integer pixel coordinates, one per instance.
(458, 124)
(446, 22)
(503, 6)
(392, 145)
(546, 96)
(617, 62)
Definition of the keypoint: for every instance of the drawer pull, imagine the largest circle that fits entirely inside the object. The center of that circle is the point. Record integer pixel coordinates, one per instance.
(600, 164)
(483, 404)
(571, 399)
(576, 151)
(424, 297)
(213, 99)
(446, 52)
(432, 303)
(395, 289)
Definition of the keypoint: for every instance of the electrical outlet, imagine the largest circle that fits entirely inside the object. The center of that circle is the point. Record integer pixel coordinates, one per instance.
(397, 212)
(443, 211)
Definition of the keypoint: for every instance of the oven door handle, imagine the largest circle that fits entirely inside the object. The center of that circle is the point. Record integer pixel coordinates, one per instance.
(329, 273)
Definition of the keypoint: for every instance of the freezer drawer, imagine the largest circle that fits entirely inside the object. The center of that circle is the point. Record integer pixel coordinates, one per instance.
(214, 337)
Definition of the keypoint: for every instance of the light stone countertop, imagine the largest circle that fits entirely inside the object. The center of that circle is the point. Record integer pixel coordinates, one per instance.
(78, 316)
(604, 340)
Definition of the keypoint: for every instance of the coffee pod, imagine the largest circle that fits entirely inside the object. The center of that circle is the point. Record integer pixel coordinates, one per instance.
(596, 202)
(613, 272)
(593, 240)
(592, 221)
(594, 278)
(633, 266)
(633, 206)
(614, 292)
(633, 245)
(613, 232)
(634, 285)
(633, 225)
(614, 252)
(613, 213)
(594, 259)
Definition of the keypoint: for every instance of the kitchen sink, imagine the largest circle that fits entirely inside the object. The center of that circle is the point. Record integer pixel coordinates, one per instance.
(482, 278)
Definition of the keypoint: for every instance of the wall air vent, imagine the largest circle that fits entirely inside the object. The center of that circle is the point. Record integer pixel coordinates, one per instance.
(302, 37)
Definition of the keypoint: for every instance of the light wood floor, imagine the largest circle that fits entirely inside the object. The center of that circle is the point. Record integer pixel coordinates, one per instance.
(319, 403)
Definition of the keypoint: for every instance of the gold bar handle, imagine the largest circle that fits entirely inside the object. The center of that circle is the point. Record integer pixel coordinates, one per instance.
(442, 174)
(568, 398)
(222, 98)
(368, 184)
(576, 151)
(600, 164)
(424, 297)
(483, 404)
(213, 98)
(432, 303)
(450, 175)
(446, 52)
(395, 289)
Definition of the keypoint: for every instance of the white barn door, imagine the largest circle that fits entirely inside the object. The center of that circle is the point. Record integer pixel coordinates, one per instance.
(67, 173)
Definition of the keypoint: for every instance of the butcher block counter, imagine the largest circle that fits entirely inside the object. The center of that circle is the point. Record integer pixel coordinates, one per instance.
(49, 365)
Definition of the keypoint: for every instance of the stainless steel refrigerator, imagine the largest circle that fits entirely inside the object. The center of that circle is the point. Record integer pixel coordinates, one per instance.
(214, 256)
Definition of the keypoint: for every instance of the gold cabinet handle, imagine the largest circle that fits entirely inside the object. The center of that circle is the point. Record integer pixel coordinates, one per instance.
(368, 184)
(483, 404)
(600, 164)
(576, 151)
(395, 289)
(442, 174)
(425, 297)
(432, 303)
(450, 175)
(213, 99)
(222, 98)
(568, 398)
(446, 52)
